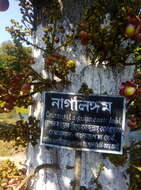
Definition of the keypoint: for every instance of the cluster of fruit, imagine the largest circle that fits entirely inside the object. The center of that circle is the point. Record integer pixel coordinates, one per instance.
(105, 35)
(132, 91)
(129, 89)
(13, 90)
(11, 176)
(133, 28)
(59, 65)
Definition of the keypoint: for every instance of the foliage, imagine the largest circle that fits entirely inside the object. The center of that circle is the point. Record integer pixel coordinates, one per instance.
(118, 160)
(134, 167)
(54, 39)
(131, 156)
(84, 89)
(96, 180)
(22, 132)
(14, 86)
(132, 91)
(17, 77)
(8, 48)
(27, 11)
(10, 175)
(12, 57)
(7, 61)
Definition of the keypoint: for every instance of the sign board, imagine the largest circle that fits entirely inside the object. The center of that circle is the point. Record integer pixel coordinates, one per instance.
(91, 123)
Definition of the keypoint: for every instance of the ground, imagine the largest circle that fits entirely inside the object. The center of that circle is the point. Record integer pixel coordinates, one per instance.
(8, 152)
(19, 159)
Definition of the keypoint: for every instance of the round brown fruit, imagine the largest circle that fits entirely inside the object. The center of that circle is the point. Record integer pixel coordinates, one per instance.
(4, 5)
(83, 35)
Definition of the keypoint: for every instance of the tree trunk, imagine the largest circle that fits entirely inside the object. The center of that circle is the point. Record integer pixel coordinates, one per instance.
(101, 80)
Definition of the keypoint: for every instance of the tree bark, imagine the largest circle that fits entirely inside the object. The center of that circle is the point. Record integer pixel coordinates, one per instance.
(101, 80)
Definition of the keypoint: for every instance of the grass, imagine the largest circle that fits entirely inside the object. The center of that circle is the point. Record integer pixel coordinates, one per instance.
(13, 116)
(14, 113)
(21, 110)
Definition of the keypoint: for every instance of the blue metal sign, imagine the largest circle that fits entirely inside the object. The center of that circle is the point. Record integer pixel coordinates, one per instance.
(91, 123)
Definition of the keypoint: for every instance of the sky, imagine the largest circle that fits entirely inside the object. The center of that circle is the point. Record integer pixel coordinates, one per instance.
(12, 13)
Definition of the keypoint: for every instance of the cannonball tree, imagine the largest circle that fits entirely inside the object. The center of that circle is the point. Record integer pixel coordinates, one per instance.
(92, 46)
